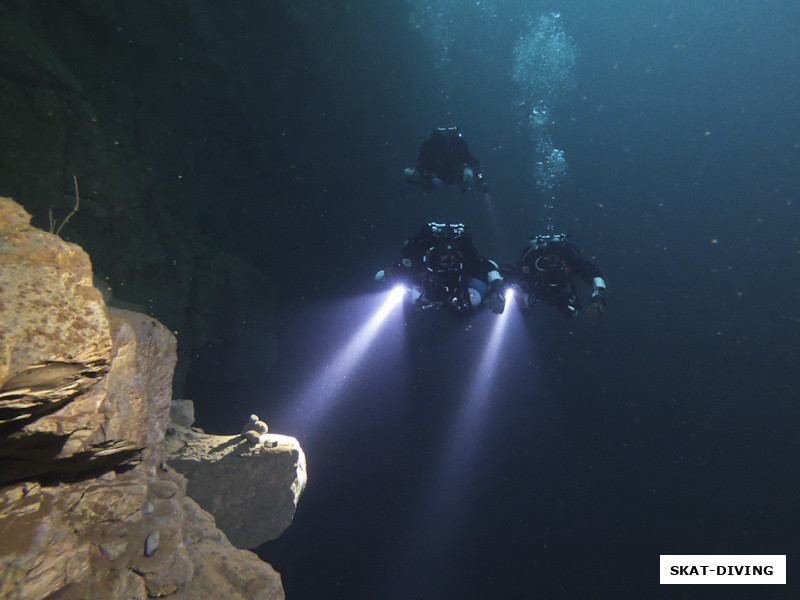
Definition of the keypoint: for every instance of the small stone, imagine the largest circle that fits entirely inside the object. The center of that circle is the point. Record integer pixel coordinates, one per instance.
(163, 489)
(113, 550)
(182, 412)
(255, 431)
(252, 437)
(255, 424)
(151, 543)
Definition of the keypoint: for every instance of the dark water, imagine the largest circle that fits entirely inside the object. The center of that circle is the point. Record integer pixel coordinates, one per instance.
(668, 428)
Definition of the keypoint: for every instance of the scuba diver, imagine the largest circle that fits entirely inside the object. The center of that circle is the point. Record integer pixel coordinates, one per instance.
(444, 159)
(546, 271)
(441, 267)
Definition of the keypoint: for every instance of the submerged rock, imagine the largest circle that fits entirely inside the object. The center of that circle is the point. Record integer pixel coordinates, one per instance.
(87, 508)
(252, 490)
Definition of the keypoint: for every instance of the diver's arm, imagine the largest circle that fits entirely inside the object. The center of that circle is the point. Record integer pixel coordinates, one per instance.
(475, 165)
(587, 271)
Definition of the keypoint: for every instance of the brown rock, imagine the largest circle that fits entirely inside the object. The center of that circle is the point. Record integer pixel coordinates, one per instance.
(85, 395)
(252, 491)
(51, 311)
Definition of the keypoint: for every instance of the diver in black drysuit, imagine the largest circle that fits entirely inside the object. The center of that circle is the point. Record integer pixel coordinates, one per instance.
(441, 267)
(546, 273)
(445, 159)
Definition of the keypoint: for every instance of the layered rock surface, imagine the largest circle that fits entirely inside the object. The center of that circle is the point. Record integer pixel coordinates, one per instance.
(251, 489)
(88, 507)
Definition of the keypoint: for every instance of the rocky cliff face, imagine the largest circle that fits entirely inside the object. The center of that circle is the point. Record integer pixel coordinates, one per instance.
(140, 104)
(251, 487)
(88, 506)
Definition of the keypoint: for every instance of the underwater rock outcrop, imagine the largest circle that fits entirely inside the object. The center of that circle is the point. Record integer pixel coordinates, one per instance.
(88, 507)
(95, 92)
(250, 484)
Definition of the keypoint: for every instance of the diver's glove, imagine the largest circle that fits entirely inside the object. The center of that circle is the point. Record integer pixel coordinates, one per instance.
(598, 306)
(496, 298)
(497, 303)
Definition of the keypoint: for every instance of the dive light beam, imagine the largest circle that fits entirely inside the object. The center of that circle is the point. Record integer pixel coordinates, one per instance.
(480, 390)
(320, 394)
(439, 520)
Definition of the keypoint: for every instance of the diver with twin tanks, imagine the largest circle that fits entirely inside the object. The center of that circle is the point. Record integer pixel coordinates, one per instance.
(441, 267)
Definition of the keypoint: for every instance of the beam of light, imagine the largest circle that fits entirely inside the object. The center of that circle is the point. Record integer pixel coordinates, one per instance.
(474, 409)
(439, 519)
(318, 397)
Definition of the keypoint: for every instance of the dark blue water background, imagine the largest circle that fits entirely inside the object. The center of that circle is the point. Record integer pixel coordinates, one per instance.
(668, 428)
